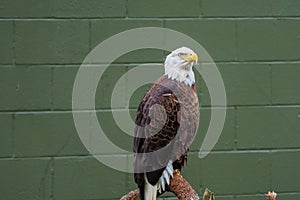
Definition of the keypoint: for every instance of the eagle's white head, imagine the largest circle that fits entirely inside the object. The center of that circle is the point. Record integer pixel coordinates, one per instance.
(179, 63)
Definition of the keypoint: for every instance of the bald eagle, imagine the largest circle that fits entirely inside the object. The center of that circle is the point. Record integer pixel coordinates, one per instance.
(166, 122)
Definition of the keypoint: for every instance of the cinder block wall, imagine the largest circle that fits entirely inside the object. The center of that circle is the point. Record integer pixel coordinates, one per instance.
(255, 43)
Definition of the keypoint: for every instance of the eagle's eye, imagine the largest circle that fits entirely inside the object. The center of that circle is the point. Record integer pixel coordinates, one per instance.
(182, 54)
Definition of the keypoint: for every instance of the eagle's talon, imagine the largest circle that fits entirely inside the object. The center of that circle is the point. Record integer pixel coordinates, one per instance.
(177, 172)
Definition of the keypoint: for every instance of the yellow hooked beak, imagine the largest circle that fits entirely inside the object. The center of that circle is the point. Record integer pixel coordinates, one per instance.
(191, 57)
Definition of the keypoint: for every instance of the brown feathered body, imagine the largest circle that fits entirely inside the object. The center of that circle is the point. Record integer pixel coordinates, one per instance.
(163, 136)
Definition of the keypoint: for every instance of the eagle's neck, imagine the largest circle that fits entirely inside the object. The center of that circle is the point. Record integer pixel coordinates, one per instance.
(182, 75)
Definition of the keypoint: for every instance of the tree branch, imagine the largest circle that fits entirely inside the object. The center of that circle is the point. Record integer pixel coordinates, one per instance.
(180, 187)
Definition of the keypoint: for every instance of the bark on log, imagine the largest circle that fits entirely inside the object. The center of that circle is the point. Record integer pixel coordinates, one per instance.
(132, 195)
(180, 187)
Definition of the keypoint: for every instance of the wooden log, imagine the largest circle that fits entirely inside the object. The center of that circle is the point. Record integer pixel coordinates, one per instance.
(180, 187)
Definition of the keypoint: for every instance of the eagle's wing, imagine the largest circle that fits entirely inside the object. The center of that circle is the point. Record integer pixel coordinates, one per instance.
(155, 129)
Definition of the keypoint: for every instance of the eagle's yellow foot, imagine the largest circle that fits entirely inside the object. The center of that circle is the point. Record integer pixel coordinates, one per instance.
(177, 172)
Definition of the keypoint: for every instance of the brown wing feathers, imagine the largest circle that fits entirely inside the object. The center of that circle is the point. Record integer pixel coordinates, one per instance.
(160, 132)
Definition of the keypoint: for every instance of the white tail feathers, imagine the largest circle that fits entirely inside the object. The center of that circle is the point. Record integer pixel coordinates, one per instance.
(150, 191)
(165, 177)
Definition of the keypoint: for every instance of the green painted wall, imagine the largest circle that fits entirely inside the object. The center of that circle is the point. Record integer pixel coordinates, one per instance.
(255, 43)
